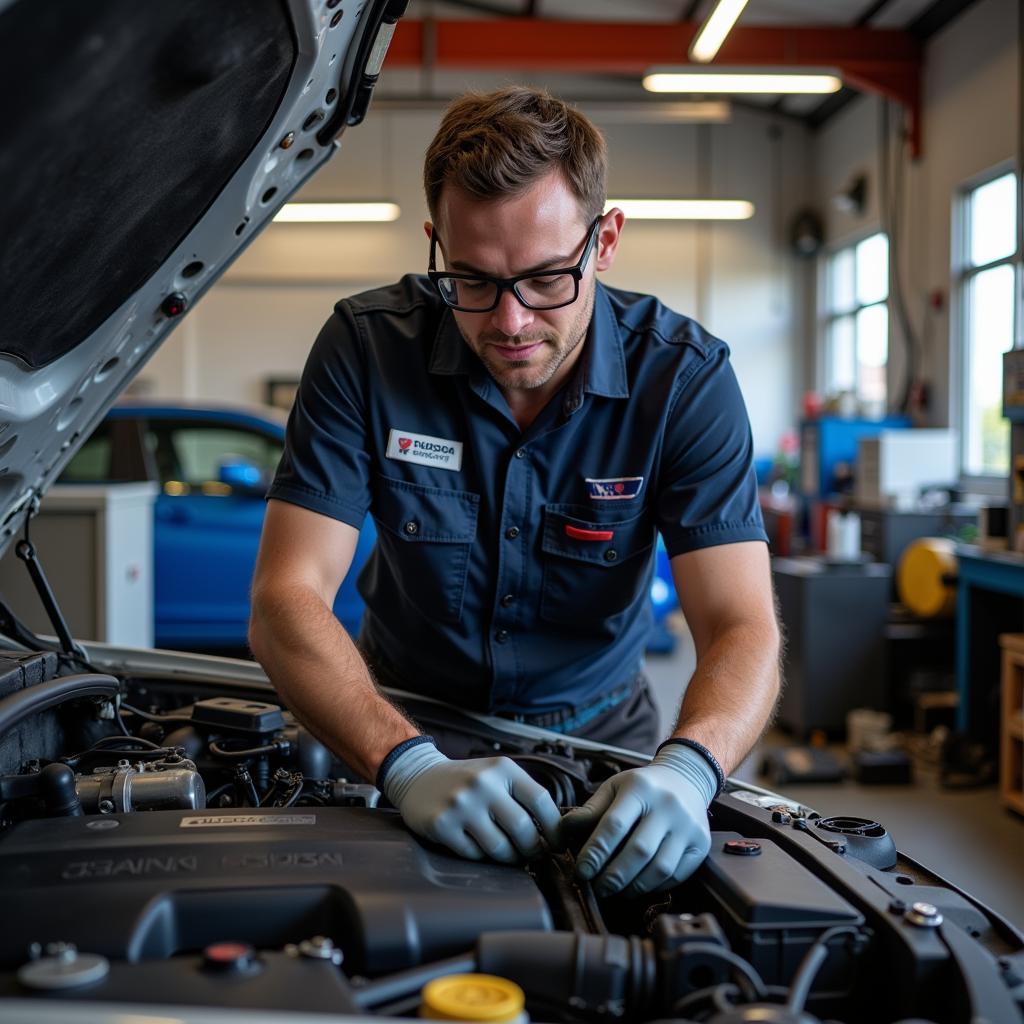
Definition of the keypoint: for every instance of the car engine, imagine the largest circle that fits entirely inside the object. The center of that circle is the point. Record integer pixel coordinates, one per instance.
(175, 837)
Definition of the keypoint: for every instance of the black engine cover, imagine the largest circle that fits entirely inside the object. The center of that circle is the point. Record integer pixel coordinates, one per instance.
(149, 886)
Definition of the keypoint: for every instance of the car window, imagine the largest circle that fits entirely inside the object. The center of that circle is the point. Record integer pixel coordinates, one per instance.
(194, 452)
(91, 463)
(112, 454)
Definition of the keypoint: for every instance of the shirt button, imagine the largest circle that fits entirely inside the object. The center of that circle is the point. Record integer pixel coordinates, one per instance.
(507, 600)
(411, 527)
(610, 555)
(520, 453)
(512, 532)
(502, 636)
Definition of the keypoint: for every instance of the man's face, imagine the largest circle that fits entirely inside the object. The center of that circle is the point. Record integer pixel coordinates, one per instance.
(544, 228)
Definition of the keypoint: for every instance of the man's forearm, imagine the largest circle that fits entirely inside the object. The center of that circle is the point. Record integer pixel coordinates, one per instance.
(321, 676)
(733, 692)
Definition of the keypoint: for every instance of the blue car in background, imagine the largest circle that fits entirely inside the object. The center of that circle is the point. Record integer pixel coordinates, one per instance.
(212, 463)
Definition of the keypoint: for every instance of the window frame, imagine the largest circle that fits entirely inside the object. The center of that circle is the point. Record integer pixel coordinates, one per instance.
(828, 315)
(963, 273)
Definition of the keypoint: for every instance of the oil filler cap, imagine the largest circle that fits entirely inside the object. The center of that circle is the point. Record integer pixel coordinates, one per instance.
(229, 956)
(473, 997)
(742, 847)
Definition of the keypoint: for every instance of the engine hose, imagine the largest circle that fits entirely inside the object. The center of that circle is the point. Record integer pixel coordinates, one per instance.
(43, 696)
(405, 983)
(284, 790)
(749, 980)
(611, 971)
(218, 793)
(246, 787)
(59, 794)
(150, 717)
(807, 970)
(121, 726)
(117, 753)
(120, 741)
(54, 784)
(278, 746)
(719, 995)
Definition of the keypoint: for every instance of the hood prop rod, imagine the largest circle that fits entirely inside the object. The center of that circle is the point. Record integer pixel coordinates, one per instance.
(25, 550)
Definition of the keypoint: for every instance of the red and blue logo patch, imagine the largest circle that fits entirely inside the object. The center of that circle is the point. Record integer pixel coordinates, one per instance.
(615, 488)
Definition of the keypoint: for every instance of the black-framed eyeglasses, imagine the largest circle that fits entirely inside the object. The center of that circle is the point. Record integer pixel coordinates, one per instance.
(540, 289)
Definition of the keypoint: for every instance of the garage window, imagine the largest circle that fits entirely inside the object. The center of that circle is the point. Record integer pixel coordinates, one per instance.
(987, 266)
(856, 320)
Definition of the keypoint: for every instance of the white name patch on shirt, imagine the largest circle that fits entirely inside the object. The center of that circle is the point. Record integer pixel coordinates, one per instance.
(424, 450)
(615, 488)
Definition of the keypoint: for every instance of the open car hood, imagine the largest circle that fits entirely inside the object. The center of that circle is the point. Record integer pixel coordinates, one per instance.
(150, 144)
(219, 864)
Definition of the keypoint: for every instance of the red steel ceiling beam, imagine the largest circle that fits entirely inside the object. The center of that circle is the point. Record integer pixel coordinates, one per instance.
(886, 62)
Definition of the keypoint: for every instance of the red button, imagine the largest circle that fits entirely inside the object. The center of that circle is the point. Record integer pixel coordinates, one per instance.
(577, 534)
(227, 955)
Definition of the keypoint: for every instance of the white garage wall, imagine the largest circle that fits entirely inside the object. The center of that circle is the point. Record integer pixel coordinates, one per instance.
(971, 119)
(738, 279)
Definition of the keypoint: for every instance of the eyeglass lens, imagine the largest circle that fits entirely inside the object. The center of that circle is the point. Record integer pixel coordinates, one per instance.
(539, 292)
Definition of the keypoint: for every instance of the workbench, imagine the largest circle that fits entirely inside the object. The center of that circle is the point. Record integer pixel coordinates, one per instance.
(990, 601)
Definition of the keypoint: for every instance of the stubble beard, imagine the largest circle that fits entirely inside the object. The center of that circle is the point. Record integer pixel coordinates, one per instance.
(509, 375)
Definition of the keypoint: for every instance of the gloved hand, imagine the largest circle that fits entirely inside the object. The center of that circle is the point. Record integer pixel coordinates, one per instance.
(649, 825)
(481, 806)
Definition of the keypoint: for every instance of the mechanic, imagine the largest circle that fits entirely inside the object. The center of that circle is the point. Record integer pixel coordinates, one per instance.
(519, 433)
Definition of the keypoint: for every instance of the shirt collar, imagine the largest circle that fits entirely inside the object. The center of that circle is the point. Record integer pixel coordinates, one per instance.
(604, 358)
(450, 354)
(602, 367)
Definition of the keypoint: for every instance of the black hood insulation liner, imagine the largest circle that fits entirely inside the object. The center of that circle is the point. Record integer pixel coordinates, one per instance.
(122, 123)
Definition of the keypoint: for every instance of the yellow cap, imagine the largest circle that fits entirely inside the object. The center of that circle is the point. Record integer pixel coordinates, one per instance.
(472, 997)
(923, 579)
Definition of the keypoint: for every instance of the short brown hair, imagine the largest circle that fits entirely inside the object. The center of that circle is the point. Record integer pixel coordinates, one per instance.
(497, 144)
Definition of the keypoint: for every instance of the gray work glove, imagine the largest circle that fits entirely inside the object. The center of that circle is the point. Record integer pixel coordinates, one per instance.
(648, 826)
(479, 807)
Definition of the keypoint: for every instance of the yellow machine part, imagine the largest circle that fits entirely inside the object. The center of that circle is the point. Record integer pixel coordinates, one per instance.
(472, 997)
(926, 578)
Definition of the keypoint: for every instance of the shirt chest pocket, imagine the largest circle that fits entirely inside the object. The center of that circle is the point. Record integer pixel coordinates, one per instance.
(425, 538)
(593, 570)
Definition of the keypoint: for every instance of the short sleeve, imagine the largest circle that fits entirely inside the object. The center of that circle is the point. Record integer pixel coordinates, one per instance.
(708, 492)
(325, 466)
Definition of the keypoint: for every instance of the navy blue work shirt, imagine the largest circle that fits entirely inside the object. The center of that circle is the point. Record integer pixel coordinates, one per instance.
(512, 568)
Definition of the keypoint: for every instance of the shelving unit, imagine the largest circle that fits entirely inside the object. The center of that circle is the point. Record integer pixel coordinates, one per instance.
(1011, 723)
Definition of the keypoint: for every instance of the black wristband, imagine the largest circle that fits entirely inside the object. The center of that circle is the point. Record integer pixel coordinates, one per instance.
(395, 753)
(712, 761)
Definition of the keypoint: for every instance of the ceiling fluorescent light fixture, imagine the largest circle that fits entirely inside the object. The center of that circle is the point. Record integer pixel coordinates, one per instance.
(636, 111)
(660, 111)
(716, 27)
(712, 80)
(336, 213)
(684, 209)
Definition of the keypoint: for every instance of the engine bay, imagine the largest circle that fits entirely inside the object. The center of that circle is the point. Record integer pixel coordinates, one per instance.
(171, 835)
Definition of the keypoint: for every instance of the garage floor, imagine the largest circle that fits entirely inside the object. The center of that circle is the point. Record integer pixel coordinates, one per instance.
(966, 837)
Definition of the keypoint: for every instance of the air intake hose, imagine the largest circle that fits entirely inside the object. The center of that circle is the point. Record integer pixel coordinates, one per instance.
(18, 706)
(595, 975)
